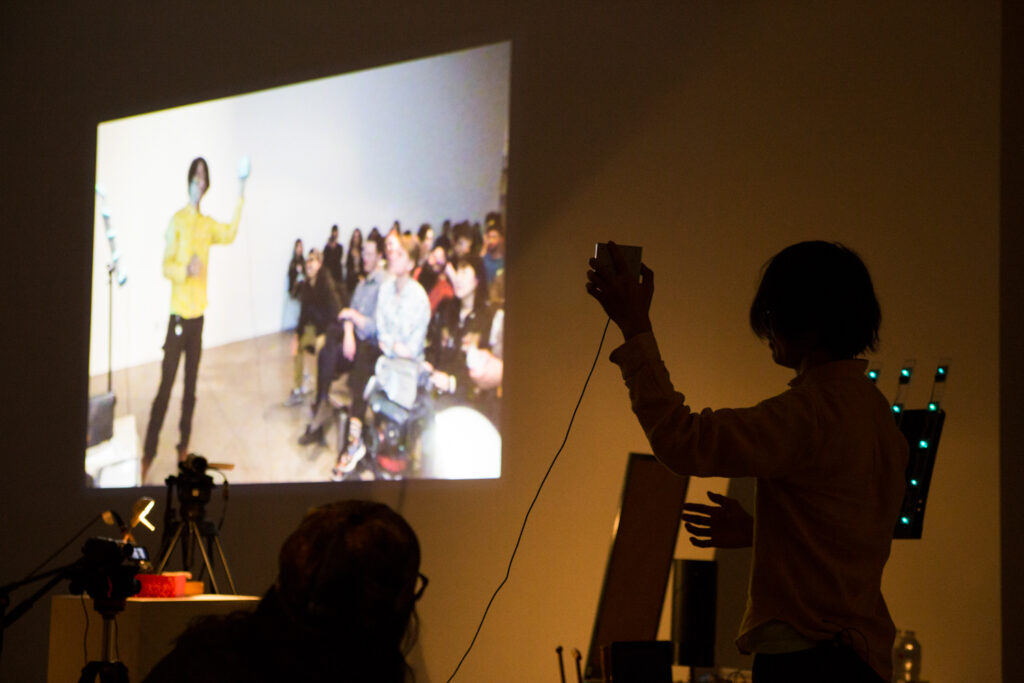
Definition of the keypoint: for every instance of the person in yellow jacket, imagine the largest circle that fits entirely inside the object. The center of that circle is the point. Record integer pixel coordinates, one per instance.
(186, 258)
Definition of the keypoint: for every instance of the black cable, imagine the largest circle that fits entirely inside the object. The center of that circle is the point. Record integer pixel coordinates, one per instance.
(845, 631)
(508, 570)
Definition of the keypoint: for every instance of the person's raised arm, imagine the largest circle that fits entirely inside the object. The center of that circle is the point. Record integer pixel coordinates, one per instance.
(225, 233)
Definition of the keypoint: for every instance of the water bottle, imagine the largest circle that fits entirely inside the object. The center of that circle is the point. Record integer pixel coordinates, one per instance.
(906, 658)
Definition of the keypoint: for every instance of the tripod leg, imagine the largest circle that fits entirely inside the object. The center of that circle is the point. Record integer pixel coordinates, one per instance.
(224, 561)
(170, 547)
(206, 558)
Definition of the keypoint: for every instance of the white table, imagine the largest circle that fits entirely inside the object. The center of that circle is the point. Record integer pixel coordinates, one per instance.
(146, 630)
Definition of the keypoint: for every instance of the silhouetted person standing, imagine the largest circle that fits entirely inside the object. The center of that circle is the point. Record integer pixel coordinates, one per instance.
(827, 454)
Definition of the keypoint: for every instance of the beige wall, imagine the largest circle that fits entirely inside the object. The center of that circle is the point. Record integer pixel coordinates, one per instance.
(711, 133)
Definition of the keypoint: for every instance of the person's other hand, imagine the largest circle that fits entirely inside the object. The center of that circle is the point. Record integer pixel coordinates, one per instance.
(724, 525)
(348, 344)
(195, 266)
(440, 381)
(295, 345)
(488, 372)
(626, 301)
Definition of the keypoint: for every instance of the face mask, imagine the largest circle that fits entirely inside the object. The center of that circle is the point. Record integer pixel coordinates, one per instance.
(193, 192)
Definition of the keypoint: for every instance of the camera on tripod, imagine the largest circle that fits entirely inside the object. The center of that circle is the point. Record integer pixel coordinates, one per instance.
(193, 484)
(193, 488)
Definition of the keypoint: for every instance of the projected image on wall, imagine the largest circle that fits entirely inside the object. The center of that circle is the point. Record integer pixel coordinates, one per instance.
(306, 282)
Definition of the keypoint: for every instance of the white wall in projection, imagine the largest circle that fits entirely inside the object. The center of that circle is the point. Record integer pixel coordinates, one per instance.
(419, 141)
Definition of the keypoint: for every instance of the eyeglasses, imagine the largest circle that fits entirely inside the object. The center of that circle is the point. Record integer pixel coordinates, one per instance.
(423, 582)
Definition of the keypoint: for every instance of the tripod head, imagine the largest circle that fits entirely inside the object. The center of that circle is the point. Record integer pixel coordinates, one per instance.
(194, 487)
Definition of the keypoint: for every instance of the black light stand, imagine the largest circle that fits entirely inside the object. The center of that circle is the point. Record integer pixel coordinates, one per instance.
(108, 669)
(101, 406)
(107, 572)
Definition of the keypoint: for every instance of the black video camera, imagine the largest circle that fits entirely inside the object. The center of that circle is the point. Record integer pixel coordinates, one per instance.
(106, 570)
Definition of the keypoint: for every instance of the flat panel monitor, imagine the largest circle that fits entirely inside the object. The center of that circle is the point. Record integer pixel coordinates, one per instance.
(640, 561)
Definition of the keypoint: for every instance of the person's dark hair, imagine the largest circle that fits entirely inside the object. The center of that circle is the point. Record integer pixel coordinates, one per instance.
(356, 239)
(444, 242)
(480, 296)
(422, 232)
(193, 168)
(427, 277)
(462, 230)
(351, 566)
(342, 608)
(820, 292)
(493, 219)
(377, 239)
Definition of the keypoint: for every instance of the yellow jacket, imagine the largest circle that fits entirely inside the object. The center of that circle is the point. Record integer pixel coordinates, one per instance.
(191, 233)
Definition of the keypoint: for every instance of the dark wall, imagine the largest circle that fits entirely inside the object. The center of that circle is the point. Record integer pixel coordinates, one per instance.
(1011, 311)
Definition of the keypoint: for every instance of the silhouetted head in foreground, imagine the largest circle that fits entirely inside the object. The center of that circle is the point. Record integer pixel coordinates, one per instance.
(350, 570)
(816, 297)
(341, 609)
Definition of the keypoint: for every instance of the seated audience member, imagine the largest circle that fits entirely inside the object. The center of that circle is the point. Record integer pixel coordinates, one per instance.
(462, 241)
(494, 247)
(321, 305)
(432, 276)
(333, 252)
(391, 241)
(296, 269)
(477, 231)
(354, 270)
(426, 236)
(488, 374)
(402, 317)
(350, 345)
(460, 340)
(341, 610)
(376, 234)
(403, 310)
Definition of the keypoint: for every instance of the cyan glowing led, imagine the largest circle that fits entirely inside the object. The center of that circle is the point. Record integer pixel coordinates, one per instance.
(913, 482)
(905, 372)
(873, 374)
(922, 443)
(905, 520)
(933, 406)
(897, 408)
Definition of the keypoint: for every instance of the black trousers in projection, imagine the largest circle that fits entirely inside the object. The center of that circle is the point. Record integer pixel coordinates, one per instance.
(184, 335)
